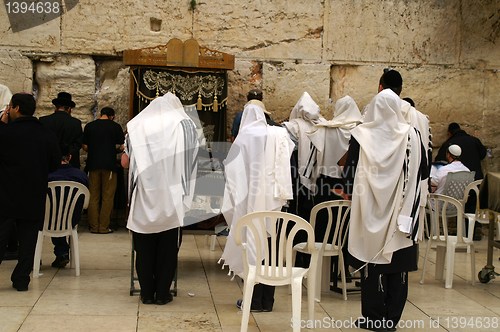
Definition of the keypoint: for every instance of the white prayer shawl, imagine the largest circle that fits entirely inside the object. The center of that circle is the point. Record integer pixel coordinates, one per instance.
(305, 114)
(386, 183)
(5, 96)
(162, 151)
(331, 138)
(258, 177)
(420, 121)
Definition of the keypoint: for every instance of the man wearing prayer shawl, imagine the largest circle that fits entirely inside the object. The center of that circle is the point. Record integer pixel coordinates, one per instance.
(331, 140)
(387, 159)
(160, 152)
(303, 118)
(258, 178)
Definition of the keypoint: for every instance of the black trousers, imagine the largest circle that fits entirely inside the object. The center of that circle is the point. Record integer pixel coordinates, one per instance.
(26, 232)
(383, 296)
(156, 261)
(263, 297)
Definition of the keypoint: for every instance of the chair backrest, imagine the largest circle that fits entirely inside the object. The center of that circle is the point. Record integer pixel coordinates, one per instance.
(62, 197)
(440, 215)
(267, 241)
(338, 212)
(456, 182)
(455, 185)
(472, 187)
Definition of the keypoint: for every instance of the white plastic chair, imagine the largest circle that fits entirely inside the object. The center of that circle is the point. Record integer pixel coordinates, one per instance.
(273, 263)
(60, 205)
(446, 244)
(330, 246)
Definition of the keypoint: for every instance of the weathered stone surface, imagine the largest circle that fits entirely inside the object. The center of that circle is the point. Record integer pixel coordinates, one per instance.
(397, 31)
(490, 130)
(284, 83)
(73, 74)
(113, 89)
(42, 38)
(16, 71)
(480, 38)
(261, 29)
(246, 75)
(108, 27)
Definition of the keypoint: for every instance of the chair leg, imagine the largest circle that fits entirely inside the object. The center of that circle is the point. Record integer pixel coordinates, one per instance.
(470, 229)
(297, 302)
(440, 262)
(38, 255)
(311, 296)
(321, 276)
(425, 260)
(294, 256)
(75, 252)
(472, 263)
(247, 303)
(342, 275)
(450, 264)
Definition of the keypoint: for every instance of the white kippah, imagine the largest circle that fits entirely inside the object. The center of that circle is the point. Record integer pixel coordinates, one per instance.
(455, 150)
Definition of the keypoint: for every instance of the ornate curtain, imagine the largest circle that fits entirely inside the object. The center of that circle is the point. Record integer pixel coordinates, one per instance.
(200, 91)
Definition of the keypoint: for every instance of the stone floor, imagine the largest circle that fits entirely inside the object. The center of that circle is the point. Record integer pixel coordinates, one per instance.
(99, 299)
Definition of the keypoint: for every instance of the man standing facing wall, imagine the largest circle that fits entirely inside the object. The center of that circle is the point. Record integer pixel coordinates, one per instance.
(387, 160)
(67, 128)
(102, 139)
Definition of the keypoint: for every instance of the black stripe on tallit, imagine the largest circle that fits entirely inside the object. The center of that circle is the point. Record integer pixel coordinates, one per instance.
(190, 138)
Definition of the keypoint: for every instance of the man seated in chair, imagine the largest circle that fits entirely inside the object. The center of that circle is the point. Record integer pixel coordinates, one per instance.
(454, 165)
(67, 172)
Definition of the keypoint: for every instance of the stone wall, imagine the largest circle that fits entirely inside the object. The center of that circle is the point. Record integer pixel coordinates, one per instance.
(448, 52)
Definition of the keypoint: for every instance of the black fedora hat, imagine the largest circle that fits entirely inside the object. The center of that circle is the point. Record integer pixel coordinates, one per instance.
(63, 99)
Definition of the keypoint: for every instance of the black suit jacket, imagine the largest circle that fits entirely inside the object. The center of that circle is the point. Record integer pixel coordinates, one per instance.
(68, 131)
(28, 152)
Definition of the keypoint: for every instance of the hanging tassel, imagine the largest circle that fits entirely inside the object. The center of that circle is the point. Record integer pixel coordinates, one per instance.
(199, 104)
(216, 104)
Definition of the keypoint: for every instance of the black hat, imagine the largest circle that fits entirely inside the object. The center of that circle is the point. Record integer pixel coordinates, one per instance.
(63, 99)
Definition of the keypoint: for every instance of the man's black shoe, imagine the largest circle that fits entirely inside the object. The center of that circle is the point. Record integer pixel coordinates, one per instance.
(60, 261)
(146, 300)
(164, 301)
(20, 288)
(239, 305)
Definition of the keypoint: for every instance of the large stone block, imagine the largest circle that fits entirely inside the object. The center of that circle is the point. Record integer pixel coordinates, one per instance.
(490, 132)
(16, 71)
(113, 89)
(480, 38)
(73, 74)
(284, 83)
(42, 37)
(396, 31)
(246, 75)
(113, 26)
(359, 82)
(261, 29)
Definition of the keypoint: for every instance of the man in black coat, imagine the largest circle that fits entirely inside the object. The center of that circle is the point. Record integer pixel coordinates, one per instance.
(67, 128)
(29, 152)
(473, 150)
